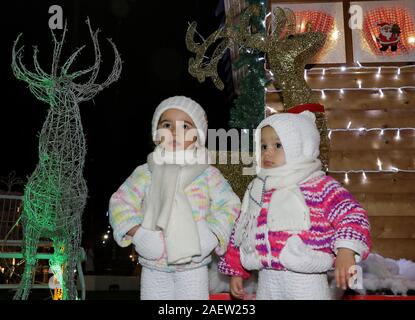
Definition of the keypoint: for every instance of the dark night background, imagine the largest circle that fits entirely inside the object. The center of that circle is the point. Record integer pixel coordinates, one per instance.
(150, 35)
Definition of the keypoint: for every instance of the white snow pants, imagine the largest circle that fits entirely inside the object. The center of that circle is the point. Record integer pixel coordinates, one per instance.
(287, 285)
(181, 285)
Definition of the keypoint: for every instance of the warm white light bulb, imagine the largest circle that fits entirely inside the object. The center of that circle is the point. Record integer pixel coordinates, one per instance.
(364, 176)
(349, 124)
(330, 134)
(359, 83)
(378, 73)
(381, 93)
(323, 95)
(398, 135)
(379, 163)
(346, 178)
(398, 72)
(335, 35)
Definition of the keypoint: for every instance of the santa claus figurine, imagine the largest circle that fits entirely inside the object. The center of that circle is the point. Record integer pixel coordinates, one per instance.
(389, 36)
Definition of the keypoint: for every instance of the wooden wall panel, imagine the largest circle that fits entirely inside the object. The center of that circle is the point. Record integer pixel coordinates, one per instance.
(387, 204)
(393, 183)
(368, 79)
(395, 248)
(355, 160)
(356, 100)
(397, 227)
(381, 118)
(366, 141)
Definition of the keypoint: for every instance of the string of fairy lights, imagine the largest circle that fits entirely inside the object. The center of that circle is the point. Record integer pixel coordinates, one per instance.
(379, 90)
(323, 72)
(360, 69)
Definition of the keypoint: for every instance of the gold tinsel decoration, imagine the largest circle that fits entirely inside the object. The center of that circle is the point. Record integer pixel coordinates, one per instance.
(321, 122)
(287, 53)
(233, 172)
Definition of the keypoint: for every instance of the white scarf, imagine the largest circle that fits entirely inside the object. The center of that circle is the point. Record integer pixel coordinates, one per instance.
(287, 210)
(168, 207)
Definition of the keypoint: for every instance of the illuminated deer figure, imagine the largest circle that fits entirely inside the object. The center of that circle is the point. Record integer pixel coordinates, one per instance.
(286, 52)
(56, 192)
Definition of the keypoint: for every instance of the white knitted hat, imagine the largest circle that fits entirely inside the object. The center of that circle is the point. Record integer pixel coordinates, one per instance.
(190, 107)
(298, 134)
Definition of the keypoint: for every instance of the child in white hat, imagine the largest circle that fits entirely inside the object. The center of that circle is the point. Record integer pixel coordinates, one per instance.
(177, 208)
(295, 222)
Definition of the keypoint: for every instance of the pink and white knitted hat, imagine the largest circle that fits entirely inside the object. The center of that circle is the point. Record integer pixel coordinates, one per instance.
(190, 107)
(298, 133)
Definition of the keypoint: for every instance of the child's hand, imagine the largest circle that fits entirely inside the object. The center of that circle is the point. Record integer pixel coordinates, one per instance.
(345, 259)
(237, 287)
(149, 244)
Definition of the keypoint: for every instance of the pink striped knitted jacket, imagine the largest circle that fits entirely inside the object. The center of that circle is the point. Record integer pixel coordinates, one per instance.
(337, 220)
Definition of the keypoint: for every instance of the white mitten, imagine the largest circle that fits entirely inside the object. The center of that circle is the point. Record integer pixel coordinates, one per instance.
(298, 257)
(208, 240)
(148, 243)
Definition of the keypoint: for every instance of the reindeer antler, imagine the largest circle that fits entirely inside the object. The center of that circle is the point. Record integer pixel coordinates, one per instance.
(287, 52)
(41, 83)
(201, 66)
(38, 80)
(198, 67)
(89, 89)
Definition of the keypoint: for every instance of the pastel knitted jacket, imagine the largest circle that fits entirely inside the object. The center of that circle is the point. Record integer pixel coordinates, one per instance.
(210, 196)
(337, 220)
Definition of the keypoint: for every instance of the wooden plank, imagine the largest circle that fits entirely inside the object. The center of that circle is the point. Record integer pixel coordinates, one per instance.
(355, 100)
(387, 204)
(393, 183)
(368, 78)
(356, 160)
(364, 141)
(395, 248)
(367, 100)
(398, 227)
(382, 118)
